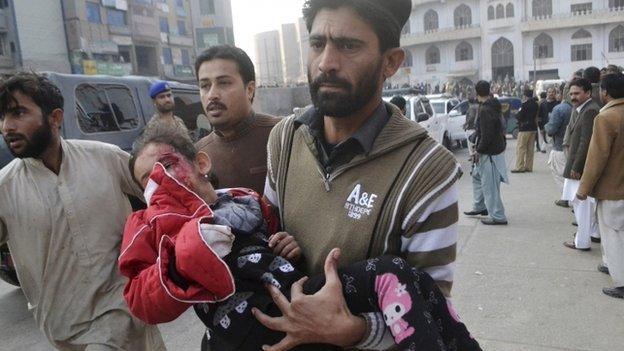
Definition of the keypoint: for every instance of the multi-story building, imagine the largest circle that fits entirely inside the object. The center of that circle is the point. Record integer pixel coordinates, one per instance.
(290, 53)
(522, 39)
(268, 59)
(176, 38)
(213, 25)
(32, 36)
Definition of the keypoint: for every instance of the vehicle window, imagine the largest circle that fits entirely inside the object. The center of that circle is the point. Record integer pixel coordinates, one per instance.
(105, 108)
(418, 109)
(408, 109)
(428, 108)
(187, 106)
(439, 107)
(463, 107)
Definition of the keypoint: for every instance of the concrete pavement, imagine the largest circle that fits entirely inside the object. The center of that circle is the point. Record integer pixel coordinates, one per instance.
(516, 287)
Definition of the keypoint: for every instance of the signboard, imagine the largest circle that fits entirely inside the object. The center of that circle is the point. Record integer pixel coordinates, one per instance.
(121, 40)
(92, 67)
(183, 71)
(89, 67)
(103, 47)
(118, 4)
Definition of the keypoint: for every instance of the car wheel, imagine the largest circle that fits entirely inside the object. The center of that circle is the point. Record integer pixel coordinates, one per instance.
(447, 143)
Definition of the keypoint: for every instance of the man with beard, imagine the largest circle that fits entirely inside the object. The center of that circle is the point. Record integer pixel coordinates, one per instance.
(63, 233)
(352, 172)
(238, 145)
(161, 94)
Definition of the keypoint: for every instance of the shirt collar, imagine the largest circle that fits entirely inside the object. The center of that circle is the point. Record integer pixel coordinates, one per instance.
(580, 108)
(365, 136)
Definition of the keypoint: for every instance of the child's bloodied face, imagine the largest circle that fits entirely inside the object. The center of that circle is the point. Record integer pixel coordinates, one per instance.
(185, 171)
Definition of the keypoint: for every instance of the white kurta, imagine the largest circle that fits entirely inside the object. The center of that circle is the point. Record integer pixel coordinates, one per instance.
(64, 232)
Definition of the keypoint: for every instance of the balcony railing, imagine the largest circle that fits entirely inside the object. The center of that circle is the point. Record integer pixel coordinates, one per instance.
(573, 19)
(442, 34)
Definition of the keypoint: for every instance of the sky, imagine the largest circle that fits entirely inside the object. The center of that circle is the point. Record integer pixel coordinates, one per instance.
(256, 16)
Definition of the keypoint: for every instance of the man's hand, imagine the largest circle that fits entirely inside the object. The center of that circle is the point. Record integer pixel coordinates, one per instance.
(575, 175)
(285, 245)
(581, 197)
(322, 318)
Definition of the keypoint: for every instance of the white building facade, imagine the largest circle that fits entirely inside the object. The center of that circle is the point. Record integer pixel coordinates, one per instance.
(468, 40)
(269, 59)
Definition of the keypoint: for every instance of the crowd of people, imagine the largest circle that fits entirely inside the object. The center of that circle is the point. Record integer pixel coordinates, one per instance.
(583, 122)
(233, 223)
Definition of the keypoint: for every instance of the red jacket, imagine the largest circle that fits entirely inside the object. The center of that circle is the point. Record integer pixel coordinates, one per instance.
(169, 229)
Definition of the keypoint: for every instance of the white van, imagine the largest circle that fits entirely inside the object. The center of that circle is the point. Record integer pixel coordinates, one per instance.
(418, 109)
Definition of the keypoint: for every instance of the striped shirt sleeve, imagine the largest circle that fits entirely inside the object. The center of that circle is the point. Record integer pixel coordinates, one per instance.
(430, 241)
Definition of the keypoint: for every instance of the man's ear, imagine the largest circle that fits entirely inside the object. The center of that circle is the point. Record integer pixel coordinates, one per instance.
(251, 90)
(393, 59)
(55, 119)
(204, 162)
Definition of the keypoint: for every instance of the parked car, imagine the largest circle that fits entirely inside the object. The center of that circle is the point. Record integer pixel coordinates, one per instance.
(457, 120)
(418, 109)
(443, 106)
(510, 107)
(114, 110)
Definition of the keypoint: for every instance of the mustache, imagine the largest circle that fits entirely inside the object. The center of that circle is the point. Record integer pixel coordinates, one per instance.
(14, 137)
(215, 105)
(323, 79)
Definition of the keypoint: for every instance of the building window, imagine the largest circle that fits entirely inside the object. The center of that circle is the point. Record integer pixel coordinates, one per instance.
(616, 4)
(164, 25)
(502, 53)
(616, 39)
(93, 13)
(3, 51)
(463, 52)
(490, 12)
(585, 7)
(206, 7)
(431, 21)
(182, 28)
(186, 58)
(180, 3)
(510, 10)
(167, 56)
(432, 56)
(463, 16)
(105, 108)
(581, 34)
(543, 46)
(500, 11)
(582, 52)
(4, 4)
(542, 8)
(116, 18)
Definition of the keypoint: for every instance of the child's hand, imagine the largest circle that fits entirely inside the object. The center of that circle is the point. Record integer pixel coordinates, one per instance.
(285, 245)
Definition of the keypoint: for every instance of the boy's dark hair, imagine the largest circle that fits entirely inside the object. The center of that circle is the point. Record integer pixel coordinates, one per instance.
(398, 101)
(228, 52)
(164, 134)
(386, 27)
(613, 84)
(39, 88)
(543, 95)
(482, 88)
(582, 83)
(528, 92)
(579, 73)
(592, 74)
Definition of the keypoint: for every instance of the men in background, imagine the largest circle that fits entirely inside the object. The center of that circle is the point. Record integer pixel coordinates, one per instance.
(490, 167)
(237, 145)
(399, 102)
(581, 132)
(592, 74)
(555, 128)
(603, 178)
(527, 126)
(164, 104)
(545, 108)
(351, 172)
(540, 126)
(63, 205)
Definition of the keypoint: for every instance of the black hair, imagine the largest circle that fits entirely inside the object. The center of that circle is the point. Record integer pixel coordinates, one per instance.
(543, 95)
(39, 88)
(163, 134)
(482, 88)
(528, 92)
(228, 52)
(582, 83)
(613, 84)
(384, 26)
(579, 73)
(592, 74)
(398, 101)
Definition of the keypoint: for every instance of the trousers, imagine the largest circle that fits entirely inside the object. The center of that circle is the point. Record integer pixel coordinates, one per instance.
(611, 223)
(525, 151)
(486, 180)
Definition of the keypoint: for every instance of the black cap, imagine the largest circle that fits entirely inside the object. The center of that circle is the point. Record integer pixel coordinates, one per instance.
(400, 10)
